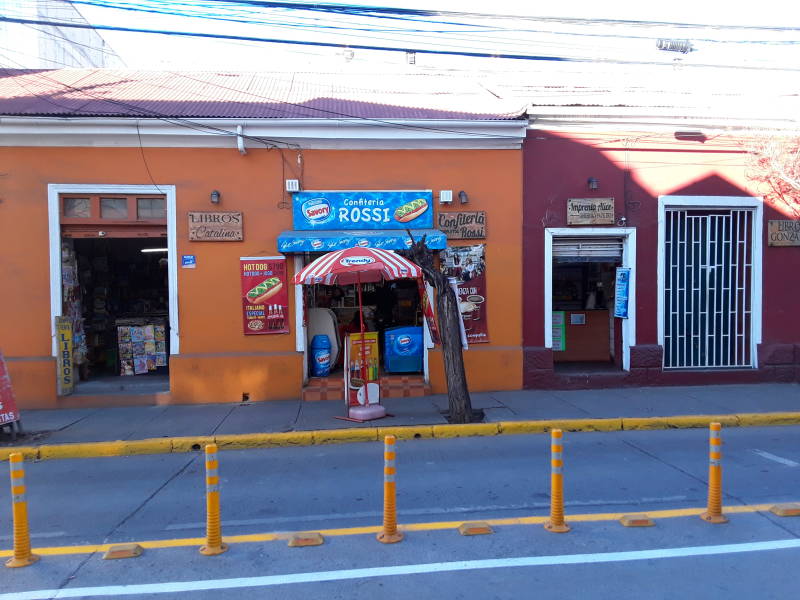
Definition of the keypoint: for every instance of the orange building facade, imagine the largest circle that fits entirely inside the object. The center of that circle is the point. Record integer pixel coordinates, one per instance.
(210, 359)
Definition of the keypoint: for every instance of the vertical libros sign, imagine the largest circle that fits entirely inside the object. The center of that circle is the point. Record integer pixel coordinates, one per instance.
(265, 295)
(66, 375)
(621, 292)
(8, 406)
(467, 265)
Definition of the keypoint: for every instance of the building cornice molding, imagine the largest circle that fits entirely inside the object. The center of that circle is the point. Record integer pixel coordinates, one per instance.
(344, 134)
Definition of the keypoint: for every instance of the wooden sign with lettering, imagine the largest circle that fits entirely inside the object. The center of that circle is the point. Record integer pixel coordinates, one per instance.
(590, 211)
(215, 226)
(783, 233)
(463, 225)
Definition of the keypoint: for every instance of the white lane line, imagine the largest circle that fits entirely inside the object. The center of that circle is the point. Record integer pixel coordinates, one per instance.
(415, 512)
(777, 459)
(461, 565)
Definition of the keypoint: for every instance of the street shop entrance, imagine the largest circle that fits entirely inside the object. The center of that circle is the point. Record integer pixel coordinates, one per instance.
(393, 324)
(581, 299)
(115, 292)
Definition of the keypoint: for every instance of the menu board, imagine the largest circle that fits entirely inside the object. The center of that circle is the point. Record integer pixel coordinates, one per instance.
(468, 265)
(265, 295)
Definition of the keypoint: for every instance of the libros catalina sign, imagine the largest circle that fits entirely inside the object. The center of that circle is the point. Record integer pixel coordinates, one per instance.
(347, 210)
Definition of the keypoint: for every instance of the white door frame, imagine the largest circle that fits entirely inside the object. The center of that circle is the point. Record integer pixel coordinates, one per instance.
(628, 235)
(53, 216)
(723, 202)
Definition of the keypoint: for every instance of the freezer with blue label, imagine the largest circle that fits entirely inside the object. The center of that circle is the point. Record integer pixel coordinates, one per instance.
(403, 348)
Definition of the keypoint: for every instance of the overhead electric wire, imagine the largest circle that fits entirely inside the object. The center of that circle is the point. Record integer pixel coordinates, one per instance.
(362, 10)
(495, 55)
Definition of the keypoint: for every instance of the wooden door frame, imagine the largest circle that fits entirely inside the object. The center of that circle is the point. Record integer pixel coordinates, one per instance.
(54, 191)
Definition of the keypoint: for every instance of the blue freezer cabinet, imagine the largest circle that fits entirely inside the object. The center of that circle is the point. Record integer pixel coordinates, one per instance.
(402, 350)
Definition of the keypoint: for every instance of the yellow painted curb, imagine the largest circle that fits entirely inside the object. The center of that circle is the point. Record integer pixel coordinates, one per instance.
(264, 440)
(587, 424)
(100, 449)
(343, 436)
(466, 430)
(515, 427)
(678, 422)
(190, 444)
(407, 433)
(776, 418)
(28, 452)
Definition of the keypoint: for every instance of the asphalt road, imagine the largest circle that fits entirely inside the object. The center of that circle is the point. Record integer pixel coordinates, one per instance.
(336, 488)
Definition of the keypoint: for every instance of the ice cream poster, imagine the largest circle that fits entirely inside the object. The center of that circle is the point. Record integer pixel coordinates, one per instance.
(265, 295)
(468, 265)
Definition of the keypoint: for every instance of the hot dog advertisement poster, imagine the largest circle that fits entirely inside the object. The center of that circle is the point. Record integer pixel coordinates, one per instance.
(362, 209)
(265, 295)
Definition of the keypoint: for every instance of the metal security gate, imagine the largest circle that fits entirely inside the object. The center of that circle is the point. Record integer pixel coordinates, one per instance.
(708, 288)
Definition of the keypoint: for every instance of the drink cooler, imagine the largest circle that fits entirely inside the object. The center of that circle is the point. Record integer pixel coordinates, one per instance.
(403, 350)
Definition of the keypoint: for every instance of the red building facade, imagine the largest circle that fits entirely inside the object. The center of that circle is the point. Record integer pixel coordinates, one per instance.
(710, 297)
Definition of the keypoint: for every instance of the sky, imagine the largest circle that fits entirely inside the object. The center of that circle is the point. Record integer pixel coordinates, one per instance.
(592, 41)
(597, 46)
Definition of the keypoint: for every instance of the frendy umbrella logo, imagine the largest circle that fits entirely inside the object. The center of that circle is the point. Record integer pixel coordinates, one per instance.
(356, 261)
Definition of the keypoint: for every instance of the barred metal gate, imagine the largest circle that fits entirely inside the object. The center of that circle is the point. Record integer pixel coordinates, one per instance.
(708, 288)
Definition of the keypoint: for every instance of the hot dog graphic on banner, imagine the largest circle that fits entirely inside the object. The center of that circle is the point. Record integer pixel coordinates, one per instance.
(265, 294)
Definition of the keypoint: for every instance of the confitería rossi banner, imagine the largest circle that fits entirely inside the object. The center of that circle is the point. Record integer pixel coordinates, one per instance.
(265, 295)
(468, 265)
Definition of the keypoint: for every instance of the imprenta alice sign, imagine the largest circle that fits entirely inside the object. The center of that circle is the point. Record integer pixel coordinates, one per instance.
(590, 211)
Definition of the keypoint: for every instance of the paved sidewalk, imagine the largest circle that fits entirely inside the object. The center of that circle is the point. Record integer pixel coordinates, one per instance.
(69, 426)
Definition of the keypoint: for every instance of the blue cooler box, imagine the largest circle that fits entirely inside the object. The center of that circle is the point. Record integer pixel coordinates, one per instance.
(402, 350)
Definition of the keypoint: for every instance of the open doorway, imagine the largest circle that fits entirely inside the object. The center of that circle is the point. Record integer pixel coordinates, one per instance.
(115, 294)
(585, 332)
(111, 281)
(393, 339)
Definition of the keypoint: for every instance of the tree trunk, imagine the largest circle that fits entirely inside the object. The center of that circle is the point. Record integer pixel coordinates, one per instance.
(458, 400)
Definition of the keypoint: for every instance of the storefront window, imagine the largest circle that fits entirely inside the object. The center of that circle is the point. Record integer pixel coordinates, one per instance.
(113, 208)
(150, 208)
(76, 208)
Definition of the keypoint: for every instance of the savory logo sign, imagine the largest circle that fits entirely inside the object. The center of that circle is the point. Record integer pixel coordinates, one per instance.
(347, 210)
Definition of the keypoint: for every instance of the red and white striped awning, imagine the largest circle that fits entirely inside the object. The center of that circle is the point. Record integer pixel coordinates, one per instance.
(357, 265)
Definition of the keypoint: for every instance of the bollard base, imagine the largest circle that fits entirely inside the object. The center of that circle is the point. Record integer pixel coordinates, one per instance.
(716, 519)
(213, 550)
(16, 563)
(389, 538)
(552, 527)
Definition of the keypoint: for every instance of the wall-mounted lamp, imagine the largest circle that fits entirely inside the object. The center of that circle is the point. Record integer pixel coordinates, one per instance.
(445, 196)
(215, 196)
(462, 197)
(592, 183)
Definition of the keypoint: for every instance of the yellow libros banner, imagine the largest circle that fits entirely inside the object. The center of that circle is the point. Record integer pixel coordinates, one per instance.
(66, 372)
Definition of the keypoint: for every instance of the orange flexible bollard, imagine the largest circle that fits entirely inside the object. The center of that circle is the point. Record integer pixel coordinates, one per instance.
(22, 538)
(390, 534)
(213, 543)
(556, 524)
(713, 512)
